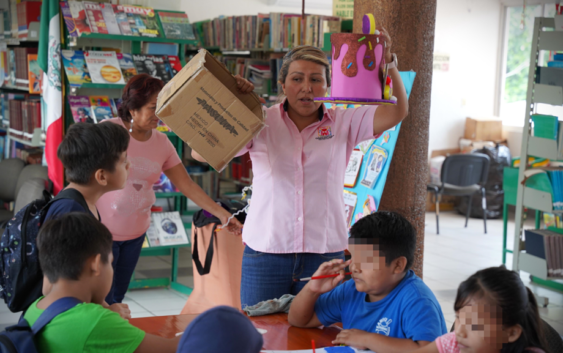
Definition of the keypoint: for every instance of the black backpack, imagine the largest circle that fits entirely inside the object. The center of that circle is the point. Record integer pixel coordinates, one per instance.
(21, 278)
(19, 338)
(202, 218)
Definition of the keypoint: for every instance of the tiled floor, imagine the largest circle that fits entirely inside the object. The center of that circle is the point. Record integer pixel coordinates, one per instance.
(449, 258)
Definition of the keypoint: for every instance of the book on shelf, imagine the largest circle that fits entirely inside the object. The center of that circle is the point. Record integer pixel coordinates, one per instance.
(160, 48)
(28, 12)
(80, 108)
(101, 108)
(115, 104)
(76, 68)
(142, 20)
(122, 20)
(109, 18)
(166, 228)
(21, 66)
(14, 18)
(175, 64)
(95, 17)
(548, 245)
(164, 184)
(176, 25)
(79, 17)
(104, 67)
(35, 74)
(127, 66)
(154, 65)
(69, 21)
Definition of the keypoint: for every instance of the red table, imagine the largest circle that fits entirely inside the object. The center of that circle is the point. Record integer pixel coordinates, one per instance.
(280, 336)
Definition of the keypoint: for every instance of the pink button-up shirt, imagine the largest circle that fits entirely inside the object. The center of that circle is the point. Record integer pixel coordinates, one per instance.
(297, 198)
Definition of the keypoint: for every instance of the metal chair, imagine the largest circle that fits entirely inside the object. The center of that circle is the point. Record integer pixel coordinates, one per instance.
(462, 175)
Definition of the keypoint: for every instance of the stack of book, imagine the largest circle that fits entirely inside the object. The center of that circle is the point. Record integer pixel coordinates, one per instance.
(275, 31)
(548, 245)
(105, 18)
(16, 18)
(19, 69)
(109, 67)
(22, 112)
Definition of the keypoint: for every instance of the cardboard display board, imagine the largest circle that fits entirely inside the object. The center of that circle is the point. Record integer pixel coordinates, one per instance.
(376, 158)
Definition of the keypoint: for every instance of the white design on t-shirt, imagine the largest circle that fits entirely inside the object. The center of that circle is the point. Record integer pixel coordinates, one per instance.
(383, 326)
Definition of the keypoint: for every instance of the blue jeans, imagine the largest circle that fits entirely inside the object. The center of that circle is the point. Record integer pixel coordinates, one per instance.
(267, 276)
(125, 257)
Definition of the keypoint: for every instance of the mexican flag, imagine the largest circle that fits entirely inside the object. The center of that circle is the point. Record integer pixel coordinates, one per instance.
(49, 60)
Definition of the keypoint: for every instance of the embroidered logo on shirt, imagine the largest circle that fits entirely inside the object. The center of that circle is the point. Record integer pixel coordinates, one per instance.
(383, 326)
(324, 133)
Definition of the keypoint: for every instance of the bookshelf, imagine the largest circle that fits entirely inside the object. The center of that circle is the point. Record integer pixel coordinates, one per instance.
(544, 38)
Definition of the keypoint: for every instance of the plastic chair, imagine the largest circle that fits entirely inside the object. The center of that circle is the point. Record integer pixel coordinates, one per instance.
(462, 175)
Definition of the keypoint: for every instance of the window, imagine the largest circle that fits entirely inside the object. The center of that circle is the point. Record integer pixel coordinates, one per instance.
(518, 35)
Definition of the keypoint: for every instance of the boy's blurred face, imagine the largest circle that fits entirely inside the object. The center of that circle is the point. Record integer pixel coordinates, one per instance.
(103, 281)
(369, 271)
(118, 178)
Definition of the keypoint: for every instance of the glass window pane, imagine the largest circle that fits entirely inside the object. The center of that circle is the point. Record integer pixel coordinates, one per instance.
(519, 34)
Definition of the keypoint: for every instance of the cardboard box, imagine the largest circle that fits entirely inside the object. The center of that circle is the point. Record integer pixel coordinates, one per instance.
(483, 129)
(202, 106)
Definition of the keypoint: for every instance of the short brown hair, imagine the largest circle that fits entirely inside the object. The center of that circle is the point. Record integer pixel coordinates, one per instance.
(137, 93)
(308, 53)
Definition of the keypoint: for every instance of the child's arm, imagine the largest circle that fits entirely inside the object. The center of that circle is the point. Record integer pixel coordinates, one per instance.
(302, 310)
(152, 343)
(379, 343)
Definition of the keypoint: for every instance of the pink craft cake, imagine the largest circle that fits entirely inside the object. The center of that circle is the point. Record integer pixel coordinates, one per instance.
(358, 66)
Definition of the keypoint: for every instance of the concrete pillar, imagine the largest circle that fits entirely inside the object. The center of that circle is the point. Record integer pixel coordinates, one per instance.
(411, 26)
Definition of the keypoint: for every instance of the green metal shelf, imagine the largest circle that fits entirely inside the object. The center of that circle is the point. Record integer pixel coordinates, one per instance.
(135, 38)
(163, 195)
(102, 85)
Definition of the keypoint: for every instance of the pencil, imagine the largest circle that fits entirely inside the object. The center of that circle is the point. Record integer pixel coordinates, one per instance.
(320, 277)
(313, 344)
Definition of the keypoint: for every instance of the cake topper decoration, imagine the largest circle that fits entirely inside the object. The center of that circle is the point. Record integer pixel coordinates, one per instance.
(358, 67)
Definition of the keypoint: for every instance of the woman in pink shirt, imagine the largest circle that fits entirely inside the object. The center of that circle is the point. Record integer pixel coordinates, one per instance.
(126, 212)
(296, 220)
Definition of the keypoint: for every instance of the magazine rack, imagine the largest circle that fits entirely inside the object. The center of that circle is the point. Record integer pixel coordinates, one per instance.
(133, 45)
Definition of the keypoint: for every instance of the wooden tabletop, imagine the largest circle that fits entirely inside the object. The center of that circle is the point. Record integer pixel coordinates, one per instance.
(279, 336)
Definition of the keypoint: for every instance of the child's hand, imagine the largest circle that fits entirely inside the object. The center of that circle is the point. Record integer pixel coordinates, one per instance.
(243, 85)
(352, 337)
(121, 309)
(234, 226)
(320, 286)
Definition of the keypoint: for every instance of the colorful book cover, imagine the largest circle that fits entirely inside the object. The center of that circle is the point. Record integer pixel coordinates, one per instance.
(142, 20)
(176, 25)
(175, 64)
(35, 74)
(69, 21)
(101, 107)
(115, 104)
(75, 67)
(104, 67)
(79, 17)
(353, 169)
(127, 67)
(164, 184)
(376, 158)
(122, 20)
(154, 65)
(95, 17)
(80, 108)
(167, 228)
(350, 200)
(109, 18)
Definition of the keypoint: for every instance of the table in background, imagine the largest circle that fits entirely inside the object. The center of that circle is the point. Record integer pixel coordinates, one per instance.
(280, 336)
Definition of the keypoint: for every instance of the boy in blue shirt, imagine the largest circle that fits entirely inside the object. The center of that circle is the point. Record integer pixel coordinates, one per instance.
(75, 253)
(95, 160)
(385, 307)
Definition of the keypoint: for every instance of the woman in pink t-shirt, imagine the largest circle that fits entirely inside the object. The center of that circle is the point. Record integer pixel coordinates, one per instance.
(126, 212)
(296, 219)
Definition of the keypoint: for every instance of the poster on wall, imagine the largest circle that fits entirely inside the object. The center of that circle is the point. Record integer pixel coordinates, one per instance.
(353, 169)
(377, 155)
